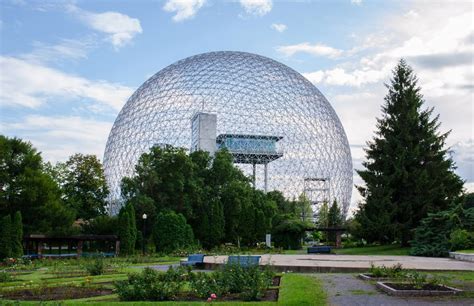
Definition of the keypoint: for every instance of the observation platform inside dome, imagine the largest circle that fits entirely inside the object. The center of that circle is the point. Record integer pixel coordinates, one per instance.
(250, 149)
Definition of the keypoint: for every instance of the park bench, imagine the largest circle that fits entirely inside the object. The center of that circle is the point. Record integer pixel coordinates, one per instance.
(194, 260)
(319, 249)
(244, 261)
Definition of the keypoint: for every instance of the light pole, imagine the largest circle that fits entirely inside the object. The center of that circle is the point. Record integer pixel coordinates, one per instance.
(144, 216)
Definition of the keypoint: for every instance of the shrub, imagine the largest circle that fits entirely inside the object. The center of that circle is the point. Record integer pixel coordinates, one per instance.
(150, 285)
(395, 271)
(204, 284)
(95, 267)
(5, 277)
(251, 282)
(171, 232)
(461, 239)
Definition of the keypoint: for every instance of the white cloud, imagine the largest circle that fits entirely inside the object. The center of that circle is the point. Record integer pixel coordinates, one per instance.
(31, 84)
(65, 49)
(120, 28)
(341, 77)
(184, 9)
(316, 50)
(257, 7)
(279, 27)
(58, 137)
(356, 2)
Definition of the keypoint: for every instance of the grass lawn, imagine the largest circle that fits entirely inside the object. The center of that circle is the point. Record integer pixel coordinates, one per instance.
(465, 251)
(374, 250)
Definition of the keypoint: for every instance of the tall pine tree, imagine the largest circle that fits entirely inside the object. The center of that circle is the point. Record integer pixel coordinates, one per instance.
(408, 172)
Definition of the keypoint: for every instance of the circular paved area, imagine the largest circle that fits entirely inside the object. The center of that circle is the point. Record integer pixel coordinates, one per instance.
(350, 263)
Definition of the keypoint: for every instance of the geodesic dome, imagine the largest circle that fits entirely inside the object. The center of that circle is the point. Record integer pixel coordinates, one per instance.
(249, 95)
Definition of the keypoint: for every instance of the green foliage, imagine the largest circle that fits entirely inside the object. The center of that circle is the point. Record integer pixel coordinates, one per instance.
(28, 188)
(251, 282)
(171, 232)
(335, 220)
(303, 208)
(432, 237)
(396, 271)
(126, 230)
(469, 200)
(204, 284)
(461, 239)
(102, 225)
(83, 185)
(408, 172)
(150, 285)
(288, 232)
(95, 267)
(5, 237)
(5, 277)
(17, 236)
(213, 195)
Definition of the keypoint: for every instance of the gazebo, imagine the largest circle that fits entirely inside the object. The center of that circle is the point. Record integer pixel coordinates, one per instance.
(43, 246)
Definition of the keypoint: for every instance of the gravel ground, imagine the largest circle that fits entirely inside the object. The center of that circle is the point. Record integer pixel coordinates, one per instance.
(348, 290)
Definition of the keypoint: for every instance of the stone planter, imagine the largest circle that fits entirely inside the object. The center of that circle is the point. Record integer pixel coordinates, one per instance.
(462, 256)
(368, 277)
(436, 290)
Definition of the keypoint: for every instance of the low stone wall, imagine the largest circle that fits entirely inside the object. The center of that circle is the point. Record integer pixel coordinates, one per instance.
(462, 256)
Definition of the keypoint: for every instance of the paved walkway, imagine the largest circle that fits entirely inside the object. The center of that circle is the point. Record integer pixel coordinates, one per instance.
(352, 263)
(347, 290)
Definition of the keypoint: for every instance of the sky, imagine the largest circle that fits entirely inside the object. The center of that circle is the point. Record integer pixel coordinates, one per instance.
(67, 67)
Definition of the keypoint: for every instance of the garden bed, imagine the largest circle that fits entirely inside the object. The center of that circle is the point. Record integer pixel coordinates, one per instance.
(407, 289)
(276, 281)
(54, 293)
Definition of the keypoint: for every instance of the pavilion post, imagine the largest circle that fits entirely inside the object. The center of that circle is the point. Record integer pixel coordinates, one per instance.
(117, 247)
(266, 177)
(338, 239)
(80, 243)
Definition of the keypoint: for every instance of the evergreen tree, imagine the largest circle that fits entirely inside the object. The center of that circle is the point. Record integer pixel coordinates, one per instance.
(334, 220)
(17, 236)
(126, 243)
(408, 172)
(132, 223)
(5, 237)
(171, 232)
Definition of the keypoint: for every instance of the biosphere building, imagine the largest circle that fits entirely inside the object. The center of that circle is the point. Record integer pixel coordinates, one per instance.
(278, 126)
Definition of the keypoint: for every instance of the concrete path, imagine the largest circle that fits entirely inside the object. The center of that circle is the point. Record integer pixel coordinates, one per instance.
(351, 263)
(347, 290)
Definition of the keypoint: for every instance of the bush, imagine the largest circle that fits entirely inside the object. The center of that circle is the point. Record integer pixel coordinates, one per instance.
(96, 267)
(171, 232)
(251, 282)
(151, 285)
(461, 239)
(205, 284)
(5, 277)
(395, 271)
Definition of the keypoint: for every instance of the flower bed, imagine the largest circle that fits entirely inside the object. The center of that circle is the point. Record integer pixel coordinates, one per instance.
(54, 293)
(232, 282)
(408, 289)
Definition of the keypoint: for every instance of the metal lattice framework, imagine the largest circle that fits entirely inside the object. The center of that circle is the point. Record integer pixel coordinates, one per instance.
(250, 95)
